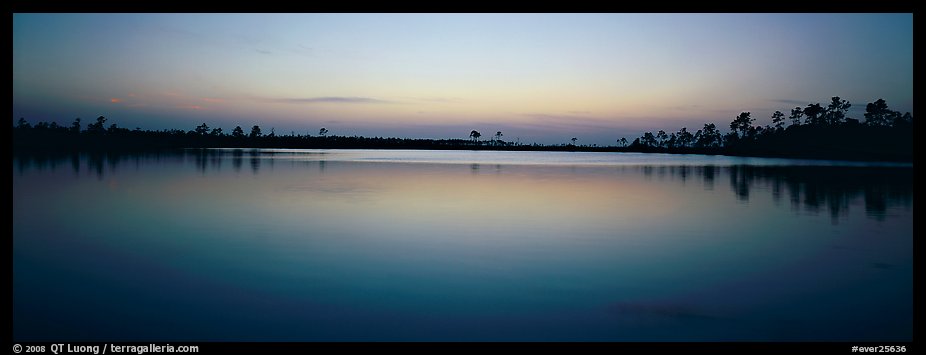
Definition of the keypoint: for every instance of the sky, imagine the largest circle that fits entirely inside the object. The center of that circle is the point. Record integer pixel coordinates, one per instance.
(541, 78)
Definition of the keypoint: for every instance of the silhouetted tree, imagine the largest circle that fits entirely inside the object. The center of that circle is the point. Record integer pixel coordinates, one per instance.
(98, 126)
(648, 139)
(742, 123)
(573, 139)
(877, 113)
(815, 114)
(255, 132)
(202, 129)
(685, 138)
(75, 127)
(474, 135)
(237, 132)
(836, 111)
(216, 132)
(323, 131)
(778, 119)
(796, 114)
(498, 136)
(708, 137)
(622, 142)
(22, 124)
(661, 138)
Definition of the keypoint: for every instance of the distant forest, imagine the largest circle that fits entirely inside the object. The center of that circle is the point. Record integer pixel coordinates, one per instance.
(814, 131)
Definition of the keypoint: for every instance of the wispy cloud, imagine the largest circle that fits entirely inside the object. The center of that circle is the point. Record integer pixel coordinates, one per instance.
(440, 99)
(190, 107)
(328, 99)
(115, 100)
(303, 50)
(791, 102)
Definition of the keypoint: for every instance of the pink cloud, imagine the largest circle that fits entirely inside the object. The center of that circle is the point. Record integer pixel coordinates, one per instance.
(115, 100)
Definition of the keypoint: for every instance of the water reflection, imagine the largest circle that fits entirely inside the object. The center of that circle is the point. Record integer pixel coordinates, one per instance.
(815, 188)
(313, 246)
(808, 189)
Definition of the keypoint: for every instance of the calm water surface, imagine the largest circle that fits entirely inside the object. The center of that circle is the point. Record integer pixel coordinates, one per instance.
(303, 245)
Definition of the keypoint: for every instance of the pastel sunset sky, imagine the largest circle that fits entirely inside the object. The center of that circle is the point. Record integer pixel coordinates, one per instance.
(536, 77)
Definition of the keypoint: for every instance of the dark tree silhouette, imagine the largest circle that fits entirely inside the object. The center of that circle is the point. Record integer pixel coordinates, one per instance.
(661, 138)
(836, 111)
(113, 129)
(75, 127)
(877, 113)
(796, 114)
(685, 138)
(573, 139)
(648, 139)
(742, 123)
(622, 142)
(202, 129)
(474, 135)
(815, 114)
(323, 131)
(778, 119)
(97, 127)
(237, 132)
(708, 137)
(255, 132)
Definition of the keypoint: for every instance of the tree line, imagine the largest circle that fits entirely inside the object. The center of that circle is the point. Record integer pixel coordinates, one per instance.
(814, 131)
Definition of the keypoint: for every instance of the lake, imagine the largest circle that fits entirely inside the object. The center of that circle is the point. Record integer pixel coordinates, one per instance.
(361, 245)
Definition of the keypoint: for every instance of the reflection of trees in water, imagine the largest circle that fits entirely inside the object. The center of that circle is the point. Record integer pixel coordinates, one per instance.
(97, 163)
(707, 173)
(811, 188)
(833, 189)
(236, 159)
(101, 163)
(255, 160)
(211, 158)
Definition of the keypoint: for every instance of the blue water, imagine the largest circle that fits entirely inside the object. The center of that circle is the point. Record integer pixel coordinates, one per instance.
(348, 245)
